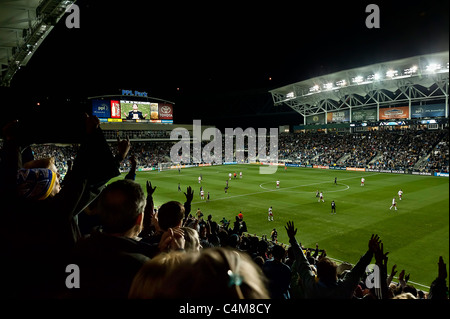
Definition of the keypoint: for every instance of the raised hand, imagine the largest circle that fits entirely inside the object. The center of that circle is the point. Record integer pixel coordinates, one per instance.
(92, 123)
(189, 194)
(133, 162)
(172, 239)
(123, 147)
(374, 243)
(291, 230)
(393, 271)
(150, 189)
(442, 269)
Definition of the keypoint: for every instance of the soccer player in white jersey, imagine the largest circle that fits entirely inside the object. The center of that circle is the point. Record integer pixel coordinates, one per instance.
(400, 194)
(270, 216)
(202, 194)
(321, 197)
(362, 181)
(394, 204)
(278, 184)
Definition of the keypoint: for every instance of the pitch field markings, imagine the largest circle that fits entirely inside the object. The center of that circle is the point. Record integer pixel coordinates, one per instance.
(312, 184)
(285, 189)
(273, 190)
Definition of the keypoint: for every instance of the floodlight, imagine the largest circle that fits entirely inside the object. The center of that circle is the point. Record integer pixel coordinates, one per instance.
(341, 83)
(328, 86)
(391, 73)
(290, 95)
(357, 79)
(315, 88)
(433, 67)
(411, 70)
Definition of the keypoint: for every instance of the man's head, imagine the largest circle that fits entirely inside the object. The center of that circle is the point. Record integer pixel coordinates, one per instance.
(121, 208)
(326, 270)
(278, 252)
(170, 215)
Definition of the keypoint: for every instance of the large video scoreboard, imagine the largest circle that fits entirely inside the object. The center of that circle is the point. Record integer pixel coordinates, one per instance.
(132, 110)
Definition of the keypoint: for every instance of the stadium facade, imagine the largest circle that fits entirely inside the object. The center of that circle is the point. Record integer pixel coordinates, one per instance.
(402, 93)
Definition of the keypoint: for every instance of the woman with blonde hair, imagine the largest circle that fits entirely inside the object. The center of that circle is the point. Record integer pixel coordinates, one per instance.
(214, 273)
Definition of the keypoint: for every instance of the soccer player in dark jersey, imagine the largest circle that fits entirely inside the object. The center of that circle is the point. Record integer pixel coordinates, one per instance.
(333, 207)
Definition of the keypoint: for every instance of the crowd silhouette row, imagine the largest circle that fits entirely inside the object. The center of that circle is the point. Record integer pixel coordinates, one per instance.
(125, 248)
(414, 150)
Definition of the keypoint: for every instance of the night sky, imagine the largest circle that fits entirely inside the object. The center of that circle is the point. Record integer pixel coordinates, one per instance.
(216, 61)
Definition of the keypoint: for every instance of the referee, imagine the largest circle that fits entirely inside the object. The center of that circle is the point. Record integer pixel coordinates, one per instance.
(333, 207)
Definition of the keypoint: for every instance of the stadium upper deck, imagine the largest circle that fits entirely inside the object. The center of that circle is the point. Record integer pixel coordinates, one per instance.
(411, 81)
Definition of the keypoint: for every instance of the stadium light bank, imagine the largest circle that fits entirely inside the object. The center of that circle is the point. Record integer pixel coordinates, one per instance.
(212, 152)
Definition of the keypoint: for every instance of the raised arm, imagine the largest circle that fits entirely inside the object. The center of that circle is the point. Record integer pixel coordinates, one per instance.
(187, 204)
(302, 265)
(132, 173)
(438, 288)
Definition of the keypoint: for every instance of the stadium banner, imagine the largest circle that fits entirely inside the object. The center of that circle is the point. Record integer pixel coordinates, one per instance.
(272, 164)
(182, 166)
(321, 166)
(115, 109)
(165, 111)
(428, 110)
(358, 169)
(401, 112)
(101, 108)
(154, 111)
(372, 170)
(421, 173)
(145, 169)
(315, 119)
(360, 115)
(441, 174)
(292, 165)
(392, 171)
(338, 116)
(342, 168)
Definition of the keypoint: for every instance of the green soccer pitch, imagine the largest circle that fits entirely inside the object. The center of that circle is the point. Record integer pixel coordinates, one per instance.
(415, 235)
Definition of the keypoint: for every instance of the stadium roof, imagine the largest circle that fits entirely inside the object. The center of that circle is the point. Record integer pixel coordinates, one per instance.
(24, 25)
(423, 77)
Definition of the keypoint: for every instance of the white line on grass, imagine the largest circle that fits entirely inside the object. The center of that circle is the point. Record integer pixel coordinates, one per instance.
(344, 179)
(269, 190)
(284, 188)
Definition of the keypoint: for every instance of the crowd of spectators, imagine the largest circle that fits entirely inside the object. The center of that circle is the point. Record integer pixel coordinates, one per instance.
(132, 249)
(420, 150)
(394, 150)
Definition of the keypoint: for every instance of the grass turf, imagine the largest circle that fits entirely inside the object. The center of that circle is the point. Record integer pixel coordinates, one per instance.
(415, 235)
